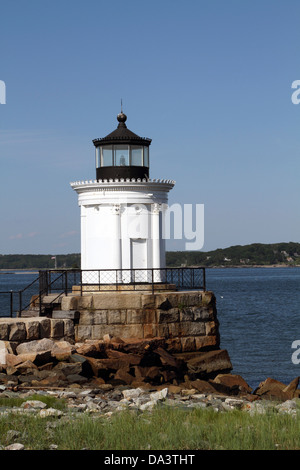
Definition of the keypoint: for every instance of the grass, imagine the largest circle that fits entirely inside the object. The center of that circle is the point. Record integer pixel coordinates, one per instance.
(164, 428)
(51, 402)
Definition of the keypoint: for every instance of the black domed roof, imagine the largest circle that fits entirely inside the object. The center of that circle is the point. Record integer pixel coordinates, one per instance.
(122, 135)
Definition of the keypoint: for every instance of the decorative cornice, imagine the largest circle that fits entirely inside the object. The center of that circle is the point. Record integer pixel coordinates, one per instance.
(123, 185)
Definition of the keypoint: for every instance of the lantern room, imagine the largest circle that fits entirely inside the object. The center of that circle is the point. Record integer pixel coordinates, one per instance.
(122, 154)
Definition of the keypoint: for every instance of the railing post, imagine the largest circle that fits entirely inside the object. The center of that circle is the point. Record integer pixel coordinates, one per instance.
(81, 283)
(40, 302)
(152, 281)
(204, 279)
(11, 303)
(66, 282)
(20, 304)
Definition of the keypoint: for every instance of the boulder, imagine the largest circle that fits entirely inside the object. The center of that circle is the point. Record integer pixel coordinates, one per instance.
(233, 382)
(37, 345)
(26, 367)
(140, 346)
(272, 390)
(124, 377)
(76, 379)
(202, 386)
(68, 368)
(166, 358)
(93, 349)
(291, 389)
(207, 363)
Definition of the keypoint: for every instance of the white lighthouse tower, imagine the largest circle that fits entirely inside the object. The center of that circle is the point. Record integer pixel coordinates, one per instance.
(122, 211)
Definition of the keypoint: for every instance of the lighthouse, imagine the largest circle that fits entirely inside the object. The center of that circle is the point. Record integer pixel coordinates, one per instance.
(122, 211)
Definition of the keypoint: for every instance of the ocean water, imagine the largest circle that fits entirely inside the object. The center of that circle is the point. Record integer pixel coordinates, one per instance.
(258, 312)
(16, 281)
(259, 315)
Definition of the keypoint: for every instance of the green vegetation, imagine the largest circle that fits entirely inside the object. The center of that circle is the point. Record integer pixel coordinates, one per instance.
(247, 255)
(165, 428)
(39, 261)
(51, 402)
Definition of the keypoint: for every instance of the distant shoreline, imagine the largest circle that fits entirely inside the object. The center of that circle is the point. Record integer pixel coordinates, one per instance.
(36, 270)
(16, 270)
(256, 266)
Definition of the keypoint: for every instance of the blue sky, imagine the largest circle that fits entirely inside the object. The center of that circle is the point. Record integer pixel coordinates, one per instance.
(208, 81)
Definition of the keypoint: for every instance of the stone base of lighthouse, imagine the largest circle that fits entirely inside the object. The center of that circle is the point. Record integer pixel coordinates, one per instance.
(187, 320)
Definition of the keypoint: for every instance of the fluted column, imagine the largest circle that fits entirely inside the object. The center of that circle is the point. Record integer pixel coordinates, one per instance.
(156, 241)
(117, 251)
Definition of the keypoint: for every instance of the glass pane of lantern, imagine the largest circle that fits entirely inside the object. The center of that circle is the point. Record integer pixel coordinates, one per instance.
(136, 156)
(97, 157)
(121, 155)
(146, 156)
(107, 156)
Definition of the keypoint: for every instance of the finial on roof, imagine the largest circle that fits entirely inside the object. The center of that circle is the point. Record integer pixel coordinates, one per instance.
(121, 116)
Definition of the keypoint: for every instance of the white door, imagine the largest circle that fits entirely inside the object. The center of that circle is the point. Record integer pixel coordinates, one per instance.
(139, 259)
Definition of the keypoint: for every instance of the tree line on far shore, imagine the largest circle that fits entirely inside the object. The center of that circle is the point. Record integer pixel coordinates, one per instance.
(247, 255)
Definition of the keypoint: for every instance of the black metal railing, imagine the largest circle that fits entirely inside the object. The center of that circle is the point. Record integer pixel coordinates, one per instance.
(13, 302)
(95, 280)
(57, 282)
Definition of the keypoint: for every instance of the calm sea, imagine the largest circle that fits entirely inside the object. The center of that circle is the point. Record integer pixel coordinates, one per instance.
(259, 316)
(258, 311)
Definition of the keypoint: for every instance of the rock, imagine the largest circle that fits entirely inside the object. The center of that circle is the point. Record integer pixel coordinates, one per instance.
(232, 382)
(33, 404)
(97, 381)
(133, 393)
(76, 379)
(254, 408)
(141, 346)
(26, 367)
(12, 360)
(206, 363)
(100, 366)
(187, 392)
(160, 395)
(50, 412)
(17, 332)
(124, 377)
(288, 407)
(202, 386)
(292, 387)
(234, 403)
(273, 390)
(3, 353)
(68, 368)
(15, 446)
(94, 349)
(166, 358)
(151, 374)
(38, 345)
(53, 447)
(87, 369)
(174, 389)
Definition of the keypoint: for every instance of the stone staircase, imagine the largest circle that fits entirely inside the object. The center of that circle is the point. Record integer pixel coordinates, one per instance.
(50, 303)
